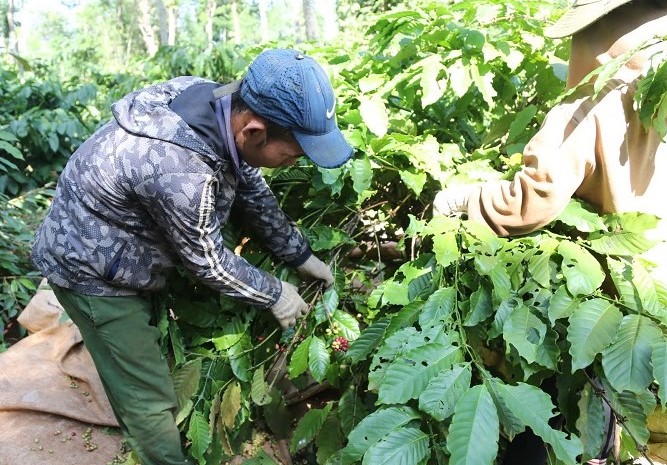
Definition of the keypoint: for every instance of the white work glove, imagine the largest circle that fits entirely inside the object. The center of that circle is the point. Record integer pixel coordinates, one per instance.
(289, 306)
(314, 268)
(452, 200)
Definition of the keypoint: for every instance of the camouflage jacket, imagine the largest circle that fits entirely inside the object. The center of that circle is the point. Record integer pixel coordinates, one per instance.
(145, 194)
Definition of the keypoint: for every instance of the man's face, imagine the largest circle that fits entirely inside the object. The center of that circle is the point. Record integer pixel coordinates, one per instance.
(272, 154)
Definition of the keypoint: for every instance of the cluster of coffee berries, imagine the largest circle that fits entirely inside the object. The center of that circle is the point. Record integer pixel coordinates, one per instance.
(340, 344)
(335, 328)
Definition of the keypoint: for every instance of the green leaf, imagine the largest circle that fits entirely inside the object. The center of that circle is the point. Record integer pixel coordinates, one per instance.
(591, 424)
(481, 307)
(4, 135)
(405, 446)
(373, 428)
(330, 301)
(620, 271)
(651, 98)
(177, 343)
(239, 358)
(627, 361)
(561, 305)
(444, 390)
(396, 293)
(326, 307)
(647, 292)
(186, 381)
(446, 249)
(525, 332)
(511, 424)
(329, 440)
(368, 340)
(438, 307)
(405, 317)
(374, 115)
(459, 78)
(53, 141)
(230, 405)
(323, 237)
(538, 265)
(308, 427)
(259, 390)
(659, 359)
(398, 344)
(10, 149)
(534, 408)
(318, 359)
(370, 82)
(484, 83)
(432, 87)
(347, 325)
(414, 181)
(351, 409)
(521, 121)
(407, 377)
(473, 434)
(581, 218)
(7, 164)
(199, 435)
(361, 173)
(621, 243)
(592, 327)
(204, 315)
(233, 332)
(632, 407)
(582, 271)
(299, 361)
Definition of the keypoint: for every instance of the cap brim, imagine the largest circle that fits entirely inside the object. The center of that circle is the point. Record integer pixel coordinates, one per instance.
(581, 15)
(328, 150)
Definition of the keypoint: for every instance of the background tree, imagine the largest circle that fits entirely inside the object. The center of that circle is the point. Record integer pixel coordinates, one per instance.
(146, 27)
(310, 19)
(168, 16)
(8, 25)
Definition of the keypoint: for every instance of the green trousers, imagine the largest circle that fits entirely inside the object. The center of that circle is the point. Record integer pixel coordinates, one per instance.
(124, 345)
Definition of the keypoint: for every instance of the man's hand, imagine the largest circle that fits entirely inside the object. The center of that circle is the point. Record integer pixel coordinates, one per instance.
(452, 200)
(314, 268)
(289, 306)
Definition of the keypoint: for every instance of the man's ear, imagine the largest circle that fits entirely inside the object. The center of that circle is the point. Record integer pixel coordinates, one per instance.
(255, 130)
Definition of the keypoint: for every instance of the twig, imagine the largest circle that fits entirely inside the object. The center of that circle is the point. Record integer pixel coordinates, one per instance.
(295, 338)
(600, 391)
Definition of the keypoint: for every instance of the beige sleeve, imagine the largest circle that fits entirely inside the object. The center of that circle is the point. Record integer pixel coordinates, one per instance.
(555, 162)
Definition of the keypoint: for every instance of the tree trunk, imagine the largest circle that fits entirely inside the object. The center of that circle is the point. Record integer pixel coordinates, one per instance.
(146, 27)
(211, 7)
(236, 23)
(162, 21)
(263, 21)
(172, 13)
(12, 37)
(310, 20)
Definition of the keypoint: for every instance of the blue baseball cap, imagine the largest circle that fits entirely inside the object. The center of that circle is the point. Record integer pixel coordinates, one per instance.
(293, 91)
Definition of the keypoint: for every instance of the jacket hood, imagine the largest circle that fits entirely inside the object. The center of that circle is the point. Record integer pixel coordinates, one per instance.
(146, 113)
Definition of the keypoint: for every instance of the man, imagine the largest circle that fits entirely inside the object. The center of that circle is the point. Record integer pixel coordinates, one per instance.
(592, 148)
(153, 189)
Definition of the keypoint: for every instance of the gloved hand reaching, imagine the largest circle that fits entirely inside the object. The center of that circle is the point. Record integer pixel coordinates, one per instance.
(452, 200)
(314, 268)
(289, 306)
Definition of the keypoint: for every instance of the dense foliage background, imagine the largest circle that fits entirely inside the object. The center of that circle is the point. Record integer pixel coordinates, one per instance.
(437, 336)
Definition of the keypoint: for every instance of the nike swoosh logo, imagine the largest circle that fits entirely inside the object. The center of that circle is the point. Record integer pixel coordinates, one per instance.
(331, 112)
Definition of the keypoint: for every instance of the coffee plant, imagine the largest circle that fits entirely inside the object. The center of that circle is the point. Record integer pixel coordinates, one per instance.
(441, 339)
